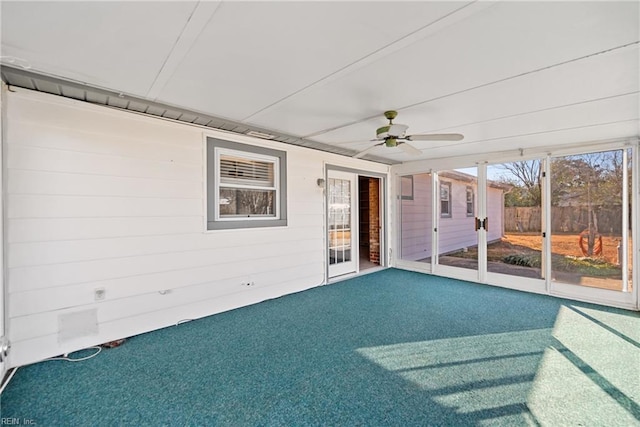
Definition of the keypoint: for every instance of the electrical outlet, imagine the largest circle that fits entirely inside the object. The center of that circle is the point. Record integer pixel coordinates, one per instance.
(99, 294)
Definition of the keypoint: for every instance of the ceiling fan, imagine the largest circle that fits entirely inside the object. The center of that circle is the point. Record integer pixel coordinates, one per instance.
(393, 135)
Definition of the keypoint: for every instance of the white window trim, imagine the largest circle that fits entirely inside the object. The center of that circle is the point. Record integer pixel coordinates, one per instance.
(473, 202)
(402, 195)
(246, 149)
(249, 156)
(448, 214)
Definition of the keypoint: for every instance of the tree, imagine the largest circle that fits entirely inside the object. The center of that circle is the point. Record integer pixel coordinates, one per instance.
(592, 181)
(525, 179)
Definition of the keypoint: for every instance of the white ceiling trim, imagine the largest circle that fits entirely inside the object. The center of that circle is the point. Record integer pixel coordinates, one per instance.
(421, 33)
(200, 17)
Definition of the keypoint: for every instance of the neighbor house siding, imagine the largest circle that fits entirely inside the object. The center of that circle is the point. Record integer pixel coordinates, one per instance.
(455, 232)
(417, 220)
(495, 213)
(99, 198)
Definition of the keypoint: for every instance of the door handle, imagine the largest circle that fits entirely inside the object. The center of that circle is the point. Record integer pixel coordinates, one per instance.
(482, 223)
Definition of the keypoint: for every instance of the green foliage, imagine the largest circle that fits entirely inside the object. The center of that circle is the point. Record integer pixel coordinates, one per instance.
(594, 267)
(526, 260)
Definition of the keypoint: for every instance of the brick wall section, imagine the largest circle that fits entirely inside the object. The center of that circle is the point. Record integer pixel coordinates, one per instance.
(374, 220)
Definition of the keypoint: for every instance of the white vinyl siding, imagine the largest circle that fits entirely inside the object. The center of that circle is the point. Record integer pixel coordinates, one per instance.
(98, 198)
(495, 213)
(455, 232)
(417, 222)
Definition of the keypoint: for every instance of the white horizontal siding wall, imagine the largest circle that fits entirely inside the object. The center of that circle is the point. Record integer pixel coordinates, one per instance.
(416, 226)
(99, 198)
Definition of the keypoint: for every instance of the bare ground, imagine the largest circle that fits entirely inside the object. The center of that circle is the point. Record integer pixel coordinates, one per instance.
(563, 246)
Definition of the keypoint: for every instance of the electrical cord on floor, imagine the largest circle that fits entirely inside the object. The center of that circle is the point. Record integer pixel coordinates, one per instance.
(65, 358)
(8, 379)
(80, 359)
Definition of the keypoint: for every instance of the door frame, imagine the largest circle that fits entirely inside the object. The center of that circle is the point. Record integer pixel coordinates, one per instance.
(383, 206)
(629, 300)
(477, 274)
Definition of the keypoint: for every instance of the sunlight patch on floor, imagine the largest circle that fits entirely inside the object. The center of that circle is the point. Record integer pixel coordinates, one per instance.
(478, 374)
(592, 372)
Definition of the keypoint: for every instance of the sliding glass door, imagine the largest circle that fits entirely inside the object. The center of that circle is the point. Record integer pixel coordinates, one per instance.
(590, 220)
(561, 225)
(514, 208)
(458, 219)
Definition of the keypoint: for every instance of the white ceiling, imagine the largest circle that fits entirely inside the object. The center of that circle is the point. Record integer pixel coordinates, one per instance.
(505, 74)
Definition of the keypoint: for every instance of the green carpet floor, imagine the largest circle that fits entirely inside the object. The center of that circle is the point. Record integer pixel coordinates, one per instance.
(393, 348)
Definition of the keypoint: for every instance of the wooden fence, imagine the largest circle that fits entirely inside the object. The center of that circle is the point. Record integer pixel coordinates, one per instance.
(564, 219)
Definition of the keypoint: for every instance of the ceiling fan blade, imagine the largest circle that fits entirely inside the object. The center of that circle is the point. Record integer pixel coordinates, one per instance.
(363, 152)
(436, 137)
(409, 149)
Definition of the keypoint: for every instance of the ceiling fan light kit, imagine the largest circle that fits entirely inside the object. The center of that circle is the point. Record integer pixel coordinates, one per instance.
(394, 135)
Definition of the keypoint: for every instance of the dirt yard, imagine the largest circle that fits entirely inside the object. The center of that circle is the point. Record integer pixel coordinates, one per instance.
(561, 244)
(569, 264)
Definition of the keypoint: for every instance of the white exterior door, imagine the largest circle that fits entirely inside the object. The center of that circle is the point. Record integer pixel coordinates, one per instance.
(342, 223)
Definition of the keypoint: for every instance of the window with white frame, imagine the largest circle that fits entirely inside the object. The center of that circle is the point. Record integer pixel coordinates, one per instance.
(445, 199)
(406, 187)
(245, 186)
(471, 209)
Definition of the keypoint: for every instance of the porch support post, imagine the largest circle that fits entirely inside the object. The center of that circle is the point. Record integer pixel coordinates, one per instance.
(624, 262)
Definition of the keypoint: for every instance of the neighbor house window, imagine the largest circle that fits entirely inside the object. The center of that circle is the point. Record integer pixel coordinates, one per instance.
(245, 186)
(445, 199)
(471, 209)
(406, 187)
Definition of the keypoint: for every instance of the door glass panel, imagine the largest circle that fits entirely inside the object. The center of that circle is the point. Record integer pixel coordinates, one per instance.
(339, 221)
(457, 202)
(514, 209)
(416, 222)
(587, 208)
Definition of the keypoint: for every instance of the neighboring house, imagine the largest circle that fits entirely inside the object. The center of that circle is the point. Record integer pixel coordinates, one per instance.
(457, 210)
